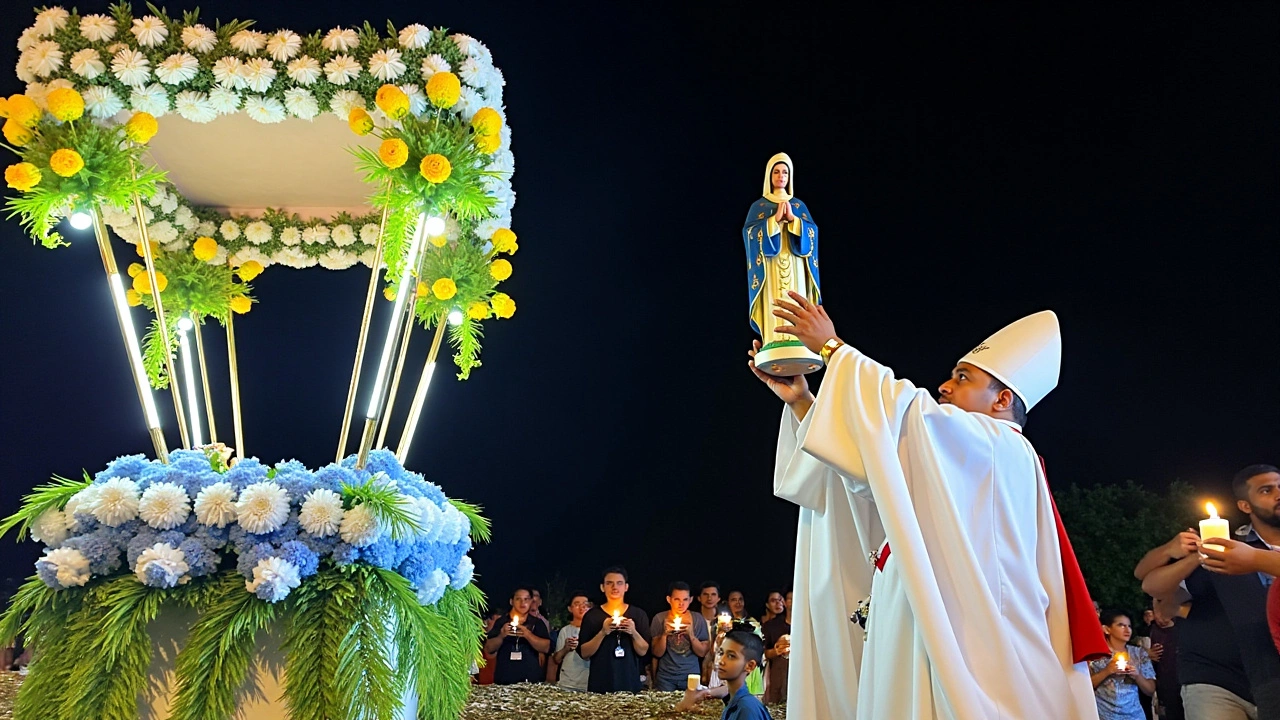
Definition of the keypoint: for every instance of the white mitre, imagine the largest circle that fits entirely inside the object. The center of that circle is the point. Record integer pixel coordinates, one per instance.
(1025, 355)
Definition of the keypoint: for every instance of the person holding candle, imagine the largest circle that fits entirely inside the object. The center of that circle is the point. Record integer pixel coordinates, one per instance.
(738, 655)
(574, 671)
(1117, 680)
(777, 643)
(517, 641)
(614, 637)
(680, 640)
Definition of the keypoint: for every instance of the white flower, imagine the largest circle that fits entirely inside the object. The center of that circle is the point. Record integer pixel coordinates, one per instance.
(87, 63)
(50, 527)
(224, 100)
(339, 40)
(429, 518)
(24, 73)
(360, 526)
(50, 21)
(153, 99)
(264, 110)
(469, 103)
(71, 565)
(149, 30)
(415, 36)
(315, 235)
(199, 38)
(177, 68)
(82, 502)
(342, 69)
(278, 575)
(245, 254)
(206, 228)
(433, 64)
(263, 507)
(343, 235)
(249, 42)
(463, 574)
(284, 44)
(452, 230)
(470, 46)
(386, 65)
(219, 256)
(290, 236)
(493, 91)
(183, 217)
(417, 99)
(131, 67)
(432, 587)
(216, 505)
(101, 102)
(502, 161)
(304, 70)
(164, 506)
(162, 232)
(321, 513)
(473, 72)
(343, 101)
(194, 106)
(226, 71)
(229, 229)
(44, 58)
(257, 232)
(301, 103)
(170, 560)
(455, 524)
(39, 94)
(117, 502)
(337, 259)
(258, 74)
(28, 38)
(369, 234)
(366, 258)
(98, 28)
(294, 257)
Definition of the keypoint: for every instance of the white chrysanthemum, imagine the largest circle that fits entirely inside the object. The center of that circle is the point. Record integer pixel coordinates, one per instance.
(473, 72)
(283, 44)
(98, 28)
(39, 94)
(117, 502)
(72, 566)
(199, 38)
(432, 587)
(184, 218)
(131, 67)
(151, 98)
(147, 215)
(226, 71)
(162, 232)
(263, 507)
(169, 203)
(455, 524)
(229, 229)
(164, 506)
(219, 256)
(386, 65)
(470, 46)
(158, 196)
(343, 101)
(44, 58)
(51, 21)
(171, 560)
(360, 526)
(82, 502)
(290, 236)
(28, 38)
(245, 254)
(462, 575)
(415, 36)
(278, 575)
(369, 234)
(469, 103)
(301, 103)
(304, 70)
(216, 505)
(258, 74)
(342, 69)
(294, 257)
(417, 98)
(194, 106)
(87, 63)
(493, 91)
(321, 513)
(433, 64)
(315, 235)
(23, 72)
(224, 100)
(340, 40)
(206, 228)
(429, 518)
(258, 232)
(149, 30)
(502, 161)
(177, 68)
(337, 259)
(343, 235)
(50, 527)
(249, 42)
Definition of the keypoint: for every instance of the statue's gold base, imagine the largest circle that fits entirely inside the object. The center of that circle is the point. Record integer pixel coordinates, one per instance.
(788, 361)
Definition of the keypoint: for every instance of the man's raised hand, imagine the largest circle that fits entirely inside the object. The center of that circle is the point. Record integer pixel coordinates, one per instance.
(789, 390)
(810, 323)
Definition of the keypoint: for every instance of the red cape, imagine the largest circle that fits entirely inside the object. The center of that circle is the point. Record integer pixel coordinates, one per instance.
(1087, 641)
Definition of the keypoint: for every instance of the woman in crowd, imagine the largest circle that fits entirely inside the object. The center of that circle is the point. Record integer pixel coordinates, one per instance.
(1118, 680)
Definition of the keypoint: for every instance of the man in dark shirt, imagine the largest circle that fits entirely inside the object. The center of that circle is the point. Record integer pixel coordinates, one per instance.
(517, 641)
(614, 637)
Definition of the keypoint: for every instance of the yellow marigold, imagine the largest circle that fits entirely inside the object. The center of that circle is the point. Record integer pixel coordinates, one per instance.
(133, 297)
(392, 101)
(22, 176)
(205, 249)
(4, 107)
(500, 269)
(65, 104)
(23, 110)
(424, 290)
(504, 241)
(478, 310)
(66, 162)
(389, 292)
(240, 304)
(16, 133)
(444, 89)
(360, 121)
(141, 127)
(486, 121)
(155, 249)
(142, 283)
(487, 144)
(439, 240)
(444, 288)
(249, 270)
(503, 306)
(393, 152)
(136, 269)
(435, 168)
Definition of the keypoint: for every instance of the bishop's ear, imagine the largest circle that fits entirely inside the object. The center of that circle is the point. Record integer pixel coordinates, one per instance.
(1004, 400)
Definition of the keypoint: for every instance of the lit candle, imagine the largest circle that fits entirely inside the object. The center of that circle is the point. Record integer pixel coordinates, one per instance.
(515, 622)
(676, 627)
(1214, 527)
(725, 620)
(617, 618)
(1122, 662)
(694, 681)
(787, 639)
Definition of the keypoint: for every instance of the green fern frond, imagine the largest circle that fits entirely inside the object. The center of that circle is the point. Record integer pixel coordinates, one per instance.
(480, 527)
(50, 496)
(384, 502)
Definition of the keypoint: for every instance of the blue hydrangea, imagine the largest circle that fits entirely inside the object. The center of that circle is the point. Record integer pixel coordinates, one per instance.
(48, 574)
(155, 576)
(250, 555)
(345, 553)
(301, 556)
(380, 554)
(214, 538)
(418, 565)
(100, 549)
(190, 461)
(201, 559)
(332, 477)
(86, 523)
(129, 466)
(152, 474)
(322, 547)
(140, 542)
(245, 473)
(384, 461)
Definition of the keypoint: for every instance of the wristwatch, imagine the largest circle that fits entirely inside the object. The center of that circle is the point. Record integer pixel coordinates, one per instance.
(831, 346)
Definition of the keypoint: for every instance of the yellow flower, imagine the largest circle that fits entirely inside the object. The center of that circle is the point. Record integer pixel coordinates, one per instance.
(133, 297)
(240, 304)
(23, 110)
(142, 283)
(487, 121)
(360, 121)
(423, 290)
(504, 241)
(22, 176)
(393, 152)
(439, 240)
(141, 127)
(478, 311)
(444, 288)
(249, 270)
(488, 144)
(155, 249)
(389, 292)
(392, 101)
(435, 168)
(444, 89)
(65, 104)
(503, 306)
(16, 133)
(66, 162)
(136, 269)
(205, 249)
(4, 107)
(500, 269)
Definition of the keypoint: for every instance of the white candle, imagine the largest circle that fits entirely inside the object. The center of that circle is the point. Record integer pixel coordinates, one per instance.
(1122, 662)
(786, 653)
(515, 622)
(725, 619)
(677, 624)
(617, 618)
(693, 682)
(1214, 527)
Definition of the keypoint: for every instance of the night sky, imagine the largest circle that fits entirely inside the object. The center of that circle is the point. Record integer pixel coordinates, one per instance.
(967, 165)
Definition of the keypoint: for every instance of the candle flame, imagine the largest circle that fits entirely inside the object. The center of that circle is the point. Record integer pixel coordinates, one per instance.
(1213, 511)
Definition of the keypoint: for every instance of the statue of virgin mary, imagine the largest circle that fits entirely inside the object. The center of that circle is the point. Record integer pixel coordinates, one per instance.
(782, 255)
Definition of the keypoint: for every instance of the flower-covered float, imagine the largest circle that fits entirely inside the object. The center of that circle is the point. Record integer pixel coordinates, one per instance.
(202, 582)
